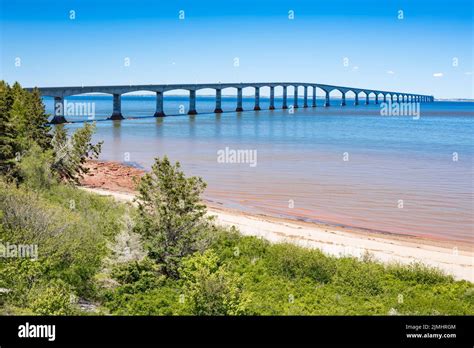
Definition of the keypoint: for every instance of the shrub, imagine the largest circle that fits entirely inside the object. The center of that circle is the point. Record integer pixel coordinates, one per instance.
(51, 298)
(292, 261)
(137, 276)
(170, 214)
(35, 168)
(418, 273)
(210, 288)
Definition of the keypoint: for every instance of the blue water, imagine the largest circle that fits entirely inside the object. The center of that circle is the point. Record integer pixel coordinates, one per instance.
(343, 165)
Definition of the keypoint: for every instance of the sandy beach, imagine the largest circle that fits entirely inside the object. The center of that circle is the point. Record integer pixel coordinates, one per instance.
(117, 180)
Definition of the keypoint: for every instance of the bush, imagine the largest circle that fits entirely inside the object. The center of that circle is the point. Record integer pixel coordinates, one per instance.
(170, 214)
(292, 262)
(210, 288)
(52, 298)
(35, 168)
(70, 238)
(137, 276)
(418, 273)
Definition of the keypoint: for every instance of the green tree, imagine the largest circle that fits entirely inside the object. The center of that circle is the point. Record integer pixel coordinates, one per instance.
(38, 128)
(8, 145)
(210, 288)
(171, 217)
(35, 168)
(23, 122)
(71, 153)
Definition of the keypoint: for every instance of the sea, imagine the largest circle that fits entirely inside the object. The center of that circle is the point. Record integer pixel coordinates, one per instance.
(355, 166)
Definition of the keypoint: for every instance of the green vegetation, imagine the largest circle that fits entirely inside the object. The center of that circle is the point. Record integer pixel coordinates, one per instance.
(165, 257)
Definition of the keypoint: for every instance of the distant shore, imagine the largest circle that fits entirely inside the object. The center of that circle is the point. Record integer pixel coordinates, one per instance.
(119, 180)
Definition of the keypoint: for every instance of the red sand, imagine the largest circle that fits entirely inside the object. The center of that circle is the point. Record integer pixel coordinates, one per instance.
(113, 176)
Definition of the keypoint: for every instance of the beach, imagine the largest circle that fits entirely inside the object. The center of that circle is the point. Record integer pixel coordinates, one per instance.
(455, 258)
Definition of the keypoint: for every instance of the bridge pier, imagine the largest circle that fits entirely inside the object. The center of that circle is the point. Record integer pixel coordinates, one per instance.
(58, 117)
(117, 112)
(59, 93)
(272, 98)
(257, 99)
(239, 100)
(159, 105)
(295, 98)
(192, 103)
(218, 108)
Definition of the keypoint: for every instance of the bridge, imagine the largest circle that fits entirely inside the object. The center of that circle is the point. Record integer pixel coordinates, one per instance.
(59, 93)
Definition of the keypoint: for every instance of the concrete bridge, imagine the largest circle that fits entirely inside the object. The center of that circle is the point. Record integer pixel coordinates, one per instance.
(59, 93)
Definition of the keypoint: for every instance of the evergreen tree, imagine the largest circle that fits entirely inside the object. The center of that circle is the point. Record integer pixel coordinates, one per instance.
(171, 215)
(8, 145)
(38, 129)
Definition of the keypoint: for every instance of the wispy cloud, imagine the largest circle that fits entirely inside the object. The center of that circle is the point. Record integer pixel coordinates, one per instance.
(390, 72)
(438, 74)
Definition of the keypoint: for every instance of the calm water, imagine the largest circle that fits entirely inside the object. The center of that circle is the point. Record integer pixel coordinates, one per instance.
(301, 170)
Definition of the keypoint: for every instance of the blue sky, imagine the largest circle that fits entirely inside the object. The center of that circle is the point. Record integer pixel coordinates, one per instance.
(355, 43)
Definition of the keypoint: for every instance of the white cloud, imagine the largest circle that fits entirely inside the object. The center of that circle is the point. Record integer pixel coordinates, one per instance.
(355, 68)
(438, 74)
(390, 72)
(468, 73)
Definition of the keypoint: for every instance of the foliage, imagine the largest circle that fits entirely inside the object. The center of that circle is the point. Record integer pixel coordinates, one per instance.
(9, 144)
(71, 153)
(23, 122)
(35, 168)
(70, 228)
(171, 217)
(192, 267)
(52, 298)
(210, 288)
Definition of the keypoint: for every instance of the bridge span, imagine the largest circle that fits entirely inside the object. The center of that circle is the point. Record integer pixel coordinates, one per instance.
(59, 93)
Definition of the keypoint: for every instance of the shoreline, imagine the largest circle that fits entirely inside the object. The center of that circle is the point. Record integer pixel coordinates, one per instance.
(117, 180)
